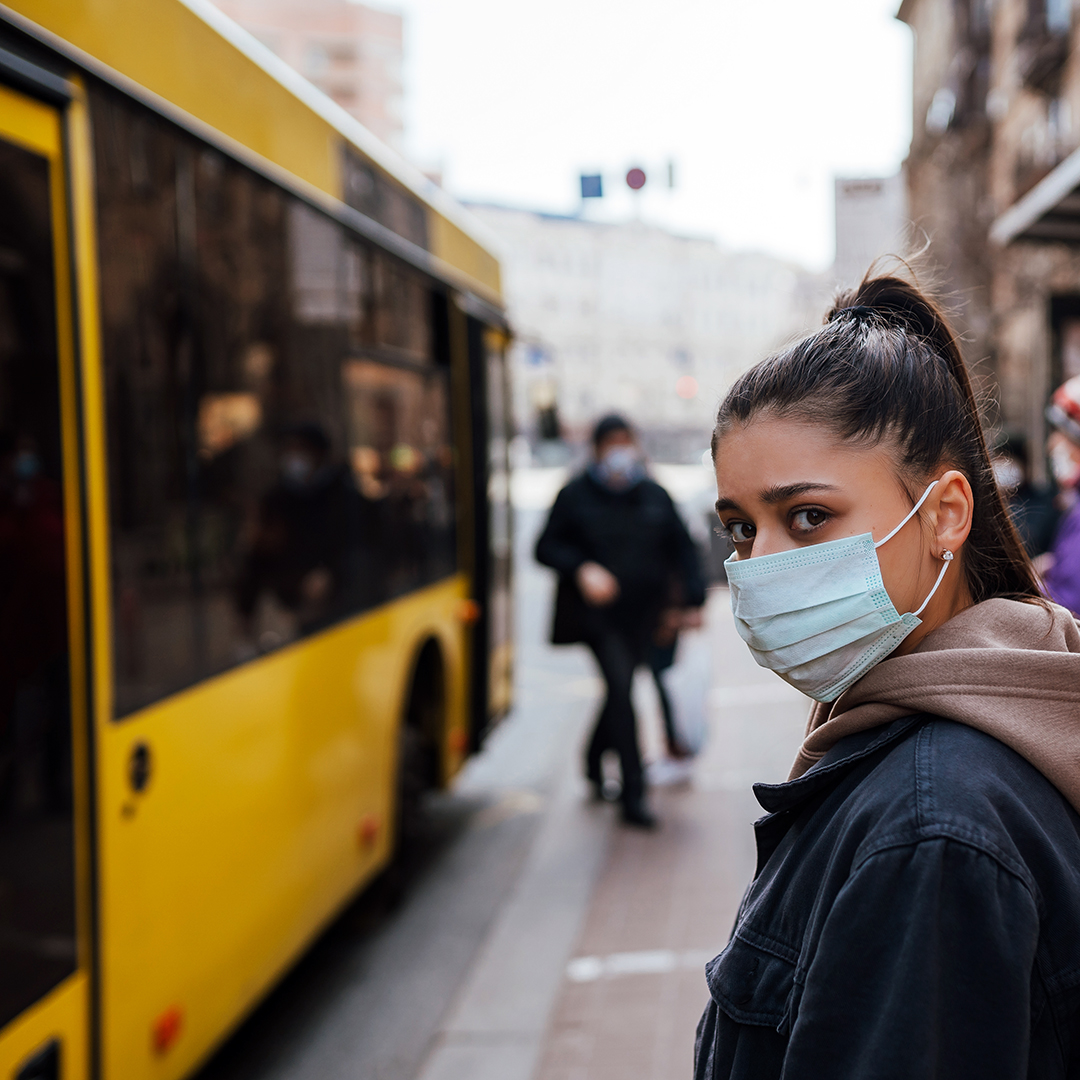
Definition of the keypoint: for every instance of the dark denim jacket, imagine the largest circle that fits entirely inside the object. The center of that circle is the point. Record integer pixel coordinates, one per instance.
(916, 913)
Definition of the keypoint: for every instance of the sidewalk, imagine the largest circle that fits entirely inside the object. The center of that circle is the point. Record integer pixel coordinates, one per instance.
(594, 967)
(664, 903)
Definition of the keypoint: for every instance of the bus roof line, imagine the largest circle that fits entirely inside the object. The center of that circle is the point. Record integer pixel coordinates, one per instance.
(343, 122)
(406, 250)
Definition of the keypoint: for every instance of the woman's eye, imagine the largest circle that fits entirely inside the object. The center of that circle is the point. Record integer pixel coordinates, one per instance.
(741, 532)
(808, 520)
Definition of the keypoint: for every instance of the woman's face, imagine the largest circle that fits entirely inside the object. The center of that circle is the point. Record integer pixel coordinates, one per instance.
(785, 484)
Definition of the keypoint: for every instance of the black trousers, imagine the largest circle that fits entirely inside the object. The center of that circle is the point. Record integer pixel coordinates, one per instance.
(618, 653)
(659, 659)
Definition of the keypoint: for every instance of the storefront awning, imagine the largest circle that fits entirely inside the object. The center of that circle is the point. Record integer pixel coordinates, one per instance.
(1049, 211)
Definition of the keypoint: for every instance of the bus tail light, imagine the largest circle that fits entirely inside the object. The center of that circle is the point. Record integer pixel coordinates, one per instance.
(468, 612)
(368, 831)
(166, 1029)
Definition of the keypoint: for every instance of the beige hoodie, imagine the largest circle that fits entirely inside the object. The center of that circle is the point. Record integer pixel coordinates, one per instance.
(1004, 667)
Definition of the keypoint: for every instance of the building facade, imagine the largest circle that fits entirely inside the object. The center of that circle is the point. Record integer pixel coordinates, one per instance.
(990, 174)
(871, 223)
(634, 318)
(351, 52)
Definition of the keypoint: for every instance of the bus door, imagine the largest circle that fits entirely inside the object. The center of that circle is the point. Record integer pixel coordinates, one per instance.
(491, 421)
(43, 856)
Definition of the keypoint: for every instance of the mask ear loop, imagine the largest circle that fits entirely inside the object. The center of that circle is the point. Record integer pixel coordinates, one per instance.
(913, 512)
(948, 557)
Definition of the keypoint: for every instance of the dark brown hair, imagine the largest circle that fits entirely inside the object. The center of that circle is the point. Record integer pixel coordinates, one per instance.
(886, 368)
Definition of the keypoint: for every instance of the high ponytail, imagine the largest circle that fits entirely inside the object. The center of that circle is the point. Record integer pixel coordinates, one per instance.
(886, 368)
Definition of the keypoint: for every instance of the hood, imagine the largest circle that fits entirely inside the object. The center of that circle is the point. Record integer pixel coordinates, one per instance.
(1007, 668)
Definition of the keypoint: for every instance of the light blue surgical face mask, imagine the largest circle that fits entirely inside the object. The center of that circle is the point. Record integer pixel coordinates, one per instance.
(620, 469)
(819, 616)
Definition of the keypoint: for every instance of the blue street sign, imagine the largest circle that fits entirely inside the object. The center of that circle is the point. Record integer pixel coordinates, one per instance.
(592, 187)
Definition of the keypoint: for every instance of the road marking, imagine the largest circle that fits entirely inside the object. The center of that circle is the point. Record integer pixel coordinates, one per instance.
(646, 962)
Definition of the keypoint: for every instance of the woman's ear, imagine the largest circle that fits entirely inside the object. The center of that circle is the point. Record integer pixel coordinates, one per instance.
(950, 510)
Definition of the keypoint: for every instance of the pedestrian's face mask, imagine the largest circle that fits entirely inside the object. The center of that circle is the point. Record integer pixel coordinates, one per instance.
(27, 464)
(1064, 463)
(619, 468)
(296, 468)
(819, 616)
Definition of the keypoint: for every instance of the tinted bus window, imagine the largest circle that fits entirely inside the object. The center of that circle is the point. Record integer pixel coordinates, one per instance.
(279, 437)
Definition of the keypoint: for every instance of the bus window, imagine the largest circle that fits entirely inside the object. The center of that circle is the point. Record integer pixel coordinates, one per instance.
(379, 198)
(279, 454)
(399, 449)
(37, 903)
(402, 319)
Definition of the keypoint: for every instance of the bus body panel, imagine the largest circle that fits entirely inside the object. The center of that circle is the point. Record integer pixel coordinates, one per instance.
(269, 802)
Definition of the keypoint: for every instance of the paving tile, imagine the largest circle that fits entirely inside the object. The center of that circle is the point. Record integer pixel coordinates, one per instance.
(666, 900)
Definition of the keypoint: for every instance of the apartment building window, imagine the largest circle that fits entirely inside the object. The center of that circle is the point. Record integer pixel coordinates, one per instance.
(1058, 15)
(321, 57)
(1047, 17)
(1059, 127)
(316, 61)
(1065, 338)
(1043, 46)
(941, 111)
(980, 17)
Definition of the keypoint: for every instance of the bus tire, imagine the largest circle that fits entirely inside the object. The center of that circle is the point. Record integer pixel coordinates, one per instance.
(419, 740)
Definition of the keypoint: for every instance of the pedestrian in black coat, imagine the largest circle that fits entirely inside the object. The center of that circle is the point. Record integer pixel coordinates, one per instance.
(622, 553)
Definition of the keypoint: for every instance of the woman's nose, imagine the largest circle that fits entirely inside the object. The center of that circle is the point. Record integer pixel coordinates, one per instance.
(771, 541)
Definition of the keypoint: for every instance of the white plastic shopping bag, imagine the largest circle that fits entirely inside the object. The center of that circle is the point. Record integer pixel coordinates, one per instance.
(687, 686)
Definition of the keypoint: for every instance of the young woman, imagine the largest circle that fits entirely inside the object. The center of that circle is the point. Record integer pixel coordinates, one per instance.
(916, 909)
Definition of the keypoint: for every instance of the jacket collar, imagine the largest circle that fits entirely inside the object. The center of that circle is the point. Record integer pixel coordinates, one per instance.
(839, 760)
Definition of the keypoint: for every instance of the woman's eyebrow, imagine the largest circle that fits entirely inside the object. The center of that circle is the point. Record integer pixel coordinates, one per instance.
(778, 494)
(782, 492)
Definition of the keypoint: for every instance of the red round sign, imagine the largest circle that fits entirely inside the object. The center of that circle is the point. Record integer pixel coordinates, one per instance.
(635, 179)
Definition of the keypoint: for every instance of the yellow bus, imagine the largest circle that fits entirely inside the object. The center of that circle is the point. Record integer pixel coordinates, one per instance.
(254, 533)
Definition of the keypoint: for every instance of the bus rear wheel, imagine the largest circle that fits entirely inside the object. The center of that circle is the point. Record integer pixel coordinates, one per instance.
(419, 741)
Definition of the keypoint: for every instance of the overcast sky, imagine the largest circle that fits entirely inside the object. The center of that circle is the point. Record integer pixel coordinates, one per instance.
(758, 102)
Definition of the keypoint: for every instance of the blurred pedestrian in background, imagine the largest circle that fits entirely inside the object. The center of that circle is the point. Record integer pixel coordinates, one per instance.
(1060, 567)
(1033, 508)
(626, 565)
(916, 907)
